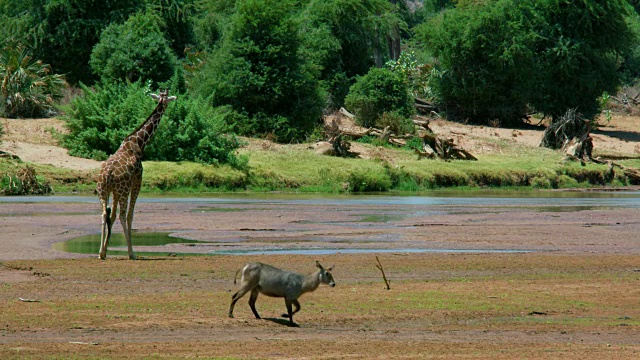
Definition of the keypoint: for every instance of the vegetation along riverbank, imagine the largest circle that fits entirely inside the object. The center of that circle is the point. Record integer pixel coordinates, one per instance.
(294, 95)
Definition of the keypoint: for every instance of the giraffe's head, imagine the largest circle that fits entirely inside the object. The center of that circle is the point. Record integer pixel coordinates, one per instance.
(164, 97)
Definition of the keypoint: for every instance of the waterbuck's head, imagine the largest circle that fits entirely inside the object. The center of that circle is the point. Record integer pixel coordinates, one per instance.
(325, 275)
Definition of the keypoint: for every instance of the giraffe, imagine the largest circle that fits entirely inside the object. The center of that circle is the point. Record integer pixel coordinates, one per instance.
(121, 175)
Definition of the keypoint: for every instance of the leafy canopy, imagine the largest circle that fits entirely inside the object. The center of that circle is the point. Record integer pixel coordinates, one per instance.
(190, 130)
(146, 56)
(27, 86)
(378, 92)
(259, 71)
(504, 56)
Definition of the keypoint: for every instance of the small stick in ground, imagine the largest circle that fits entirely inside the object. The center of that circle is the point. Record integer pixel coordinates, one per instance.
(384, 277)
(28, 300)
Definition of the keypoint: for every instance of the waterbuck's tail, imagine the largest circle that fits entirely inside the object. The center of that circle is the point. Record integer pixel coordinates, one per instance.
(236, 276)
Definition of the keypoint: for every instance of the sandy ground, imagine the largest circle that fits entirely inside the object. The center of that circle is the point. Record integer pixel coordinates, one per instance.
(32, 139)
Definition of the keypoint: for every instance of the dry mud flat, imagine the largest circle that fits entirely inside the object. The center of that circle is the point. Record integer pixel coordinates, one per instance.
(573, 294)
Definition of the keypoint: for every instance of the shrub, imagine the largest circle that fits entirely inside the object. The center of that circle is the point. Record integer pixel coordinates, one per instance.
(190, 129)
(398, 123)
(259, 72)
(146, 55)
(379, 91)
(503, 56)
(101, 118)
(28, 88)
(24, 182)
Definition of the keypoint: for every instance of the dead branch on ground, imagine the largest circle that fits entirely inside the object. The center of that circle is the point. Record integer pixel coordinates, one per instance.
(384, 277)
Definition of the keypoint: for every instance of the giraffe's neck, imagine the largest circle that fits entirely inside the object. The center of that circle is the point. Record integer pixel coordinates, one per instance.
(144, 133)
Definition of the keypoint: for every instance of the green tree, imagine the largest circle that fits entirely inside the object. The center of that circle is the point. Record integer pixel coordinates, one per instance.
(211, 19)
(71, 28)
(179, 17)
(134, 50)
(27, 86)
(503, 56)
(63, 32)
(578, 53)
(259, 71)
(19, 19)
(378, 92)
(343, 39)
(190, 130)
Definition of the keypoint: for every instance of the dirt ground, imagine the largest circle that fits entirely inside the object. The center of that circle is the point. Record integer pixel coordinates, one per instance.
(568, 288)
(572, 295)
(32, 139)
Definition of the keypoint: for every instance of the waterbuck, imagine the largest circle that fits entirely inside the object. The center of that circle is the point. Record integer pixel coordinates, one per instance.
(271, 281)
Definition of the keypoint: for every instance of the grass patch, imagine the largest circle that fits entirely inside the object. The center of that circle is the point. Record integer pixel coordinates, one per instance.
(298, 168)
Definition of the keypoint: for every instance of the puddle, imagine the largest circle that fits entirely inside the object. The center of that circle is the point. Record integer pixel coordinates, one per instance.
(218, 209)
(90, 244)
(356, 251)
(381, 218)
(47, 214)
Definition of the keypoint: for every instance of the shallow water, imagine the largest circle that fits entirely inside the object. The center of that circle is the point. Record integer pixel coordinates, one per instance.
(358, 251)
(90, 244)
(454, 198)
(380, 215)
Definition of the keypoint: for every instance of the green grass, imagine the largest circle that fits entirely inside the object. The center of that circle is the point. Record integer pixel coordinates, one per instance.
(299, 169)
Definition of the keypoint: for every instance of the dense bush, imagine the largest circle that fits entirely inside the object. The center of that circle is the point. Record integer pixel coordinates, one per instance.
(259, 72)
(193, 131)
(344, 38)
(63, 32)
(378, 92)
(190, 130)
(146, 56)
(68, 30)
(504, 56)
(487, 54)
(28, 89)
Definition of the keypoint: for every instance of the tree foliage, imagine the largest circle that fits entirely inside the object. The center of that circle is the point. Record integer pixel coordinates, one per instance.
(189, 130)
(27, 86)
(258, 71)
(378, 92)
(71, 28)
(343, 39)
(146, 56)
(504, 56)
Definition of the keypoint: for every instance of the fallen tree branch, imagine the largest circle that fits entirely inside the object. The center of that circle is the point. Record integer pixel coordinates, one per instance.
(28, 300)
(384, 277)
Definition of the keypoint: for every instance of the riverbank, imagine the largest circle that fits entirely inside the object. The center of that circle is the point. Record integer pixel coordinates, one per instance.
(507, 158)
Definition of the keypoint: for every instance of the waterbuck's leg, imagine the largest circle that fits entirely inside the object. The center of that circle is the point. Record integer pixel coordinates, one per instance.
(252, 302)
(296, 304)
(236, 297)
(288, 303)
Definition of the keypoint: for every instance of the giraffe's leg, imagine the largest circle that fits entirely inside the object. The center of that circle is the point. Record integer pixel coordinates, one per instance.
(109, 214)
(105, 232)
(125, 225)
(135, 190)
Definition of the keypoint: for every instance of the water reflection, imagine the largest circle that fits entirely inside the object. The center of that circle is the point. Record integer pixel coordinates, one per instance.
(90, 244)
